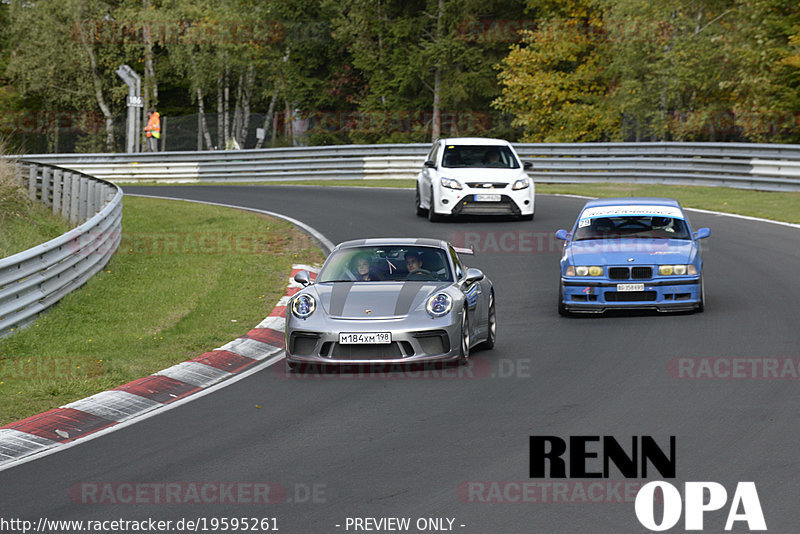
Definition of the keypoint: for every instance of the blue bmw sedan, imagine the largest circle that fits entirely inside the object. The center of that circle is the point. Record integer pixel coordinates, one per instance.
(631, 253)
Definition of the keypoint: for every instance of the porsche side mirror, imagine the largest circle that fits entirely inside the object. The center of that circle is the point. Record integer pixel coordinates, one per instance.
(302, 278)
(527, 165)
(474, 275)
(562, 234)
(702, 233)
(430, 163)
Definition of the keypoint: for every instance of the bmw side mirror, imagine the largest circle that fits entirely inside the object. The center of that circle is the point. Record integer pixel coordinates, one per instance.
(527, 165)
(430, 163)
(562, 234)
(302, 278)
(702, 233)
(474, 275)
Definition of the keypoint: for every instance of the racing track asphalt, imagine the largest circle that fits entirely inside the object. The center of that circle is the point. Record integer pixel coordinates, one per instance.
(406, 446)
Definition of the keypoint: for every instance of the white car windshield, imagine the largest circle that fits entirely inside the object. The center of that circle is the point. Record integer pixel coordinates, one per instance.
(637, 227)
(386, 263)
(479, 156)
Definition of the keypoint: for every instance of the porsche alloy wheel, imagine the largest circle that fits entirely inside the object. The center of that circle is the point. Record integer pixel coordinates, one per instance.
(463, 356)
(491, 335)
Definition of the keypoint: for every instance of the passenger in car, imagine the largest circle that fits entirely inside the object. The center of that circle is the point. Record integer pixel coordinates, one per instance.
(363, 270)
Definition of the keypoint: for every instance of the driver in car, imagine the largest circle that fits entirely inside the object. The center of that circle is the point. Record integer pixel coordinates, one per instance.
(414, 266)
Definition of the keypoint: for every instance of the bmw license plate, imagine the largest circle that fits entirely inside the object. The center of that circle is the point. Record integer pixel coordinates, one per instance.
(630, 287)
(359, 338)
(487, 198)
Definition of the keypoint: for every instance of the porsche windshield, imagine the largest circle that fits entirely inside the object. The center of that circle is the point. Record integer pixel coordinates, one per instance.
(479, 156)
(637, 227)
(387, 263)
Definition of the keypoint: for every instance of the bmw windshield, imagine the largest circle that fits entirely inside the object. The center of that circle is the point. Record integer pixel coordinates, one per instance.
(636, 227)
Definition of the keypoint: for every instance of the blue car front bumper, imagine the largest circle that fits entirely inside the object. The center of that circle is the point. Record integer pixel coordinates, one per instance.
(593, 296)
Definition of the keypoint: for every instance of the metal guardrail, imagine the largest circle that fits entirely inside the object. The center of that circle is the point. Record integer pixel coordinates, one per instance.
(35, 279)
(742, 165)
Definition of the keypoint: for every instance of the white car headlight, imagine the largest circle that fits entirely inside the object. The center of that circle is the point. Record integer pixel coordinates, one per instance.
(522, 183)
(303, 306)
(439, 305)
(450, 183)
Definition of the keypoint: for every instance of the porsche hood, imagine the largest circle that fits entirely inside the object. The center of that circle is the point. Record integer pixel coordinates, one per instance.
(373, 300)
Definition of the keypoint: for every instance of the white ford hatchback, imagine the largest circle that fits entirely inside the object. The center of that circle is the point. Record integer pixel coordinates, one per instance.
(474, 176)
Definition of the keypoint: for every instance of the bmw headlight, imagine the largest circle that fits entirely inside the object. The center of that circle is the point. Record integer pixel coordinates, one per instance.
(450, 183)
(522, 183)
(439, 305)
(677, 270)
(303, 306)
(585, 270)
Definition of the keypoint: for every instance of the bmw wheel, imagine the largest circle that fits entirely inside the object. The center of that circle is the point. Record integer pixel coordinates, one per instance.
(562, 308)
(702, 306)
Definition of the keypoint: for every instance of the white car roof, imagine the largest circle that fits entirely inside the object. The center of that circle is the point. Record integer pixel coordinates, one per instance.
(474, 141)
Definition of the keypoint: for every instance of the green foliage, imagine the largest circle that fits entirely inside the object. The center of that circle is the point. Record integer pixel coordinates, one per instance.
(634, 70)
(370, 71)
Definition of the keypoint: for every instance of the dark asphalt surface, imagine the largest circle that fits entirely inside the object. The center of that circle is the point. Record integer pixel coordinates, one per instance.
(407, 446)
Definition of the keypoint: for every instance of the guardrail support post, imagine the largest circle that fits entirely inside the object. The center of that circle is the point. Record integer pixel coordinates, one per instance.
(57, 184)
(32, 182)
(46, 172)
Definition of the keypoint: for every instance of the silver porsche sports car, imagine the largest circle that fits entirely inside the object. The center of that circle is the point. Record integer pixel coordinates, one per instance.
(390, 301)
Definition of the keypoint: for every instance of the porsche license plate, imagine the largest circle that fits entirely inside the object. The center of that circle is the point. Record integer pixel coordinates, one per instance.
(359, 338)
(487, 198)
(630, 287)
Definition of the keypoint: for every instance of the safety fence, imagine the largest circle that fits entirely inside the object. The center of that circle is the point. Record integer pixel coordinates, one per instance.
(742, 165)
(35, 279)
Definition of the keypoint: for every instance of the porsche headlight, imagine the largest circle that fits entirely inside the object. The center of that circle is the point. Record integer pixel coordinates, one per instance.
(450, 183)
(678, 270)
(439, 305)
(303, 306)
(522, 183)
(585, 270)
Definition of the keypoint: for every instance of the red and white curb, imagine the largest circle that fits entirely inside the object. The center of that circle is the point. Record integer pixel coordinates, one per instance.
(107, 409)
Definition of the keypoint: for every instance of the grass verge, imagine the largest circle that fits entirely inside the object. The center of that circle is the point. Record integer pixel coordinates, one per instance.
(23, 223)
(777, 206)
(186, 279)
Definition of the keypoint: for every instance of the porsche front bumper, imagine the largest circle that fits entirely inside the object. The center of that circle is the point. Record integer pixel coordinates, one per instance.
(438, 341)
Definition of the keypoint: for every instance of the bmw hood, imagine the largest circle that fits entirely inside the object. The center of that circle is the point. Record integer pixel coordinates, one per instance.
(631, 251)
(373, 300)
